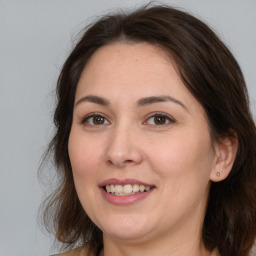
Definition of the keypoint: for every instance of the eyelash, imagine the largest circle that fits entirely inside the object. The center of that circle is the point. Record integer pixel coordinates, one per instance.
(92, 115)
(167, 118)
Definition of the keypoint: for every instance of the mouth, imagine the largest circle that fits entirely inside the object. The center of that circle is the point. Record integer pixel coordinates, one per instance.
(127, 189)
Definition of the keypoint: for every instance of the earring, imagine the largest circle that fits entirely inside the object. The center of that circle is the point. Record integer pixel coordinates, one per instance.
(218, 174)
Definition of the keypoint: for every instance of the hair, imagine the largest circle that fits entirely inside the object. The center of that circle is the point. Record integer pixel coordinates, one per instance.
(213, 77)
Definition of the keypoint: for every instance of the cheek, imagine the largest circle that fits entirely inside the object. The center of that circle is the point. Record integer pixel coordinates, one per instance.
(183, 158)
(85, 159)
(184, 168)
(85, 156)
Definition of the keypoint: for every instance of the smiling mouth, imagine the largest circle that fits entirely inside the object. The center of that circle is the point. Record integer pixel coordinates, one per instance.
(127, 189)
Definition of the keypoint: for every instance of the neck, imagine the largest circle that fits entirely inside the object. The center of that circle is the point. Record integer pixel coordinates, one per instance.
(186, 247)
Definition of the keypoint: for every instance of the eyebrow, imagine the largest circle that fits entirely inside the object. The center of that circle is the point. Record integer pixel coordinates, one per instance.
(156, 99)
(94, 99)
(141, 102)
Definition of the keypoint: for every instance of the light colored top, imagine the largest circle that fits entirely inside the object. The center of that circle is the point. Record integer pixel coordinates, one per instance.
(83, 251)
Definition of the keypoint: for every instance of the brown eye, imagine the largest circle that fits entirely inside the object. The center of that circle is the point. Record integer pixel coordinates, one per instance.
(95, 120)
(158, 120)
(98, 120)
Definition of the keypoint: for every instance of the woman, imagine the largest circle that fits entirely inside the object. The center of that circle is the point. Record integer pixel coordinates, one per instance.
(155, 143)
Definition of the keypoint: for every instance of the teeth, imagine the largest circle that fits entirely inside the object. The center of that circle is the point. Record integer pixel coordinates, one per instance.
(142, 188)
(136, 188)
(112, 188)
(127, 189)
(118, 189)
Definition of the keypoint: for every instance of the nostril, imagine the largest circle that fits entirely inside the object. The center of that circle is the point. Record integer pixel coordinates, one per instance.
(109, 162)
(119, 163)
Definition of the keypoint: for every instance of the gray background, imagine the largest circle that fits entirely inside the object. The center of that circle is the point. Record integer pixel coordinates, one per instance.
(35, 38)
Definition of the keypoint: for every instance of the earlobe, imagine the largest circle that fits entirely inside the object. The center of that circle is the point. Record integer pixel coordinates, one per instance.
(226, 150)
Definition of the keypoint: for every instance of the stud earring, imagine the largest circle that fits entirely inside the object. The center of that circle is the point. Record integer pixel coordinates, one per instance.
(218, 174)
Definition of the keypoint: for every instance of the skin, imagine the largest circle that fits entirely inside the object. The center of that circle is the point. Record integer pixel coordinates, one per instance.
(176, 155)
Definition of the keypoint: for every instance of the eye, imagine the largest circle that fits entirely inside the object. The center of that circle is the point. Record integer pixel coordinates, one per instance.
(159, 119)
(95, 119)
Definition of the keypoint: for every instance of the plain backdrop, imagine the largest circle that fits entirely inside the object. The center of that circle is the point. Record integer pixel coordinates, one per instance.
(35, 38)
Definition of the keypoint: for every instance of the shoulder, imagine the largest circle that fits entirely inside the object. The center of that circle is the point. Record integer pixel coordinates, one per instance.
(80, 251)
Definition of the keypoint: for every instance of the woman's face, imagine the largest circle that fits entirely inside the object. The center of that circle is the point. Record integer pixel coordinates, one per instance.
(137, 128)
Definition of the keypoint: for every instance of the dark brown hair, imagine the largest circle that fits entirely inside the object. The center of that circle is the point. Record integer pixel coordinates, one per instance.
(213, 76)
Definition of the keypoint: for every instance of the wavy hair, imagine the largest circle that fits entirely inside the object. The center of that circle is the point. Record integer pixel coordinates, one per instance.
(214, 78)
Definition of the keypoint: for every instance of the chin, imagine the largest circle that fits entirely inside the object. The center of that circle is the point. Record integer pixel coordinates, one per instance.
(125, 228)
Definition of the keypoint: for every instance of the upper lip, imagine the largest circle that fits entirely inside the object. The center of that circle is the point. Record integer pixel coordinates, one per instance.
(123, 182)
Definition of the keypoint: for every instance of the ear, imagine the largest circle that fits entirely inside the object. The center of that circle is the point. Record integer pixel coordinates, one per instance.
(225, 152)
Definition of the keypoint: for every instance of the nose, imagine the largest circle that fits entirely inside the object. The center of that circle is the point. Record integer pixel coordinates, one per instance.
(123, 148)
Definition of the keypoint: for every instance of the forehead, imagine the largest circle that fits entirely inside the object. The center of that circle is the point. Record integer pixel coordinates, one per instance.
(123, 57)
(128, 63)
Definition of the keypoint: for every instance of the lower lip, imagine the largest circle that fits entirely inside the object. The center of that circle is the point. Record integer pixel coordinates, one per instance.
(125, 200)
